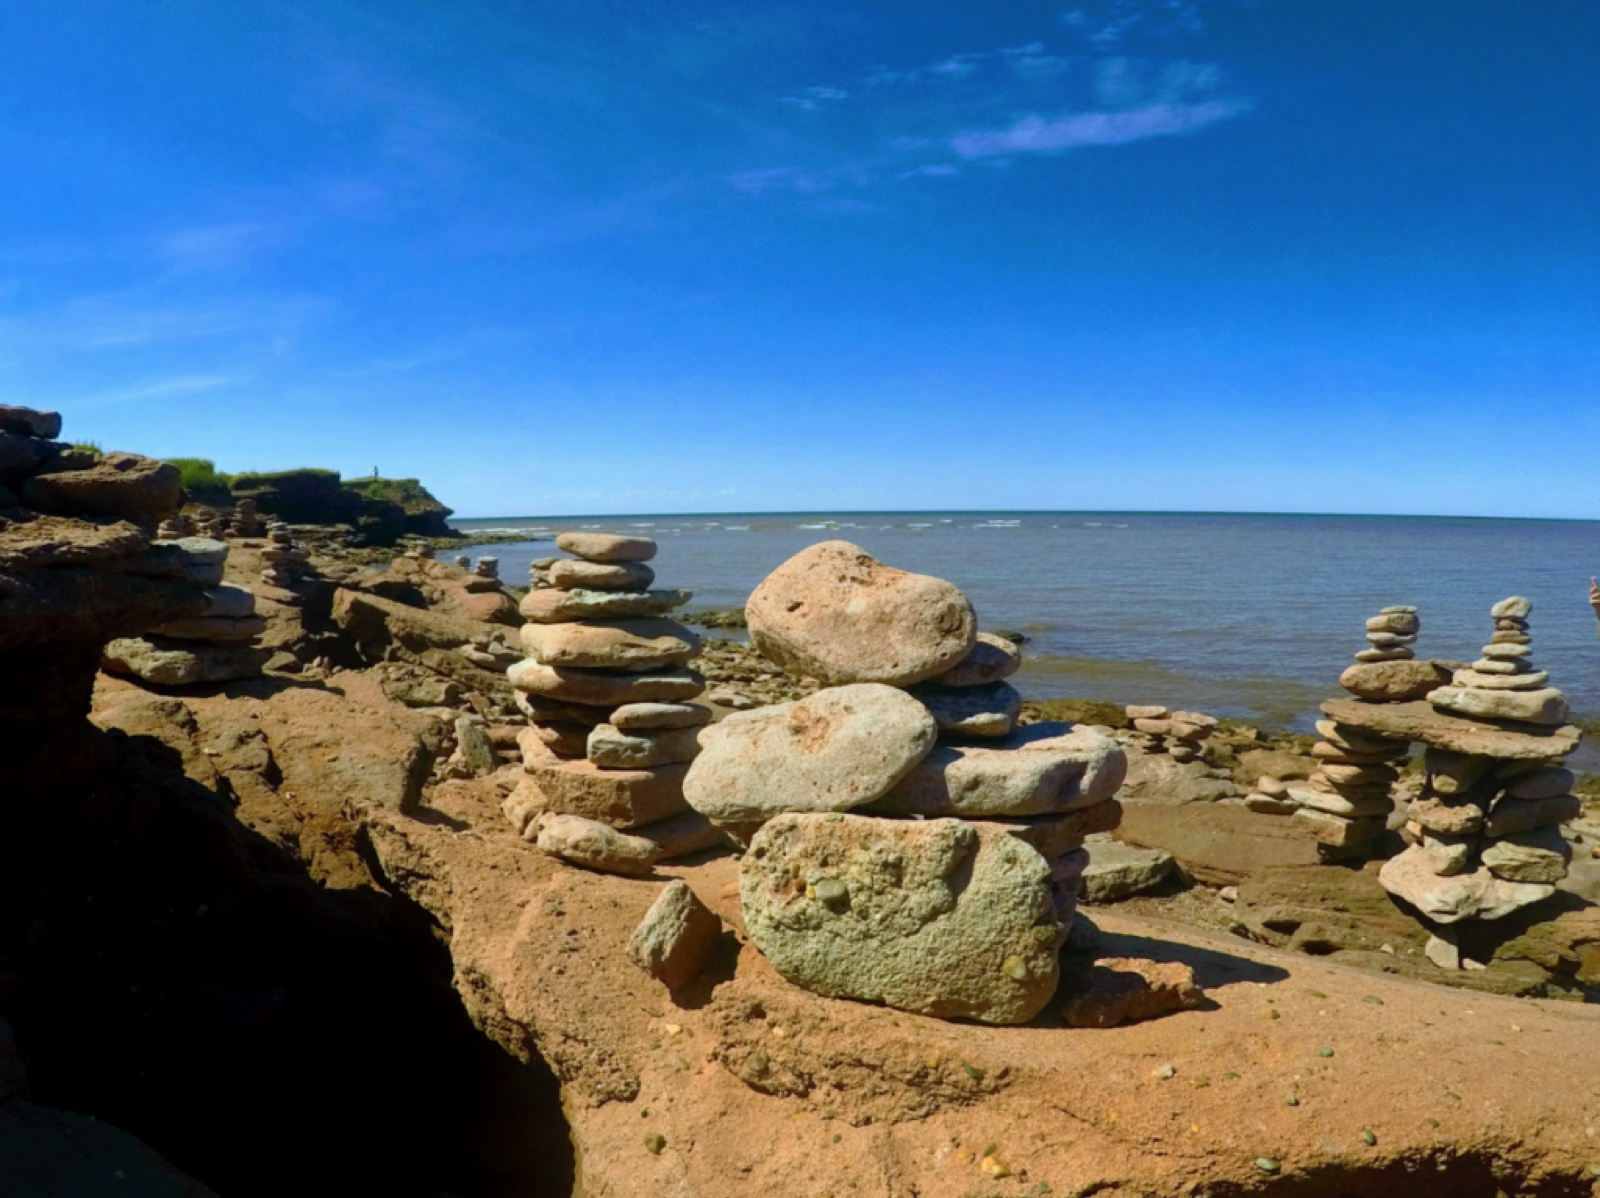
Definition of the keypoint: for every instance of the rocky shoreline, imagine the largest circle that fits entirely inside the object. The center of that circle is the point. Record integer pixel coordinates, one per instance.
(225, 897)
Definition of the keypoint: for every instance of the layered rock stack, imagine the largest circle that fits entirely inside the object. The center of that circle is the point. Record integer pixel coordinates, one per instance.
(211, 526)
(607, 689)
(280, 559)
(218, 645)
(175, 527)
(907, 842)
(79, 566)
(246, 520)
(1484, 837)
(1387, 670)
(487, 567)
(1182, 735)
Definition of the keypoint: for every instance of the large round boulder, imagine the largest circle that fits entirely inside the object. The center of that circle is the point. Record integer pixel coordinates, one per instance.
(834, 613)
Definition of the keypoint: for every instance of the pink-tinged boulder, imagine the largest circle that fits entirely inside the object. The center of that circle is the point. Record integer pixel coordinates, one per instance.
(834, 613)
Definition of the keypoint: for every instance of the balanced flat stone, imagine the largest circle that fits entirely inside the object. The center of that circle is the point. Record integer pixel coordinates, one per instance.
(1117, 871)
(554, 711)
(1472, 679)
(1422, 722)
(598, 846)
(1547, 706)
(1398, 622)
(677, 937)
(1459, 815)
(1508, 651)
(1494, 665)
(1454, 773)
(564, 740)
(1334, 754)
(1514, 608)
(1475, 895)
(836, 749)
(572, 575)
(620, 798)
(642, 717)
(1359, 775)
(834, 613)
(937, 917)
(1369, 656)
(988, 711)
(991, 659)
(31, 422)
(1336, 831)
(230, 601)
(182, 663)
(614, 749)
(1036, 770)
(1052, 835)
(1537, 855)
(605, 547)
(1358, 741)
(552, 606)
(1392, 681)
(604, 689)
(1339, 804)
(1511, 816)
(601, 644)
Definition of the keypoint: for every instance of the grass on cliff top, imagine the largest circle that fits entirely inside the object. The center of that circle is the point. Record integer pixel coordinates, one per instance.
(260, 480)
(396, 490)
(202, 480)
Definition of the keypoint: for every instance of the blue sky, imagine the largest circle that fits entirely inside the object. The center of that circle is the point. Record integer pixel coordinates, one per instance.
(1284, 255)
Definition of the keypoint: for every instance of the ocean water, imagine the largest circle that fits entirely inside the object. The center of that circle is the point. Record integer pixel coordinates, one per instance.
(1247, 616)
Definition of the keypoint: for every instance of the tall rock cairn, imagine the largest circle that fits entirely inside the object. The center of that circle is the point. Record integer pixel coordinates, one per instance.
(246, 520)
(281, 559)
(611, 728)
(1485, 836)
(907, 842)
(1347, 802)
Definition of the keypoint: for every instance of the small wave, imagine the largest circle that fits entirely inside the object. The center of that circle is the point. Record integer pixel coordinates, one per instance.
(737, 528)
(919, 526)
(826, 524)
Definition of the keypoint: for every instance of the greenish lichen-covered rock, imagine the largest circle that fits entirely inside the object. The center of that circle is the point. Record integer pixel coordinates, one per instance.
(934, 916)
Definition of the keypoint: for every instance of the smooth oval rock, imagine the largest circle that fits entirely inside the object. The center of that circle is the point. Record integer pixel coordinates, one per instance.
(590, 843)
(1473, 680)
(1392, 681)
(611, 748)
(599, 576)
(834, 613)
(606, 546)
(1514, 608)
(1037, 770)
(937, 917)
(1547, 706)
(831, 751)
(600, 644)
(1538, 855)
(991, 659)
(604, 689)
(641, 717)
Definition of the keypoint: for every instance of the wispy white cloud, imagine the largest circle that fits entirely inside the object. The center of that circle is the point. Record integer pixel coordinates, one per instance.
(158, 388)
(217, 248)
(1037, 135)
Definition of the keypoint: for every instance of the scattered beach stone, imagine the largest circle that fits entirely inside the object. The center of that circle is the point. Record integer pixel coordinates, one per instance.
(990, 710)
(598, 846)
(1116, 990)
(641, 717)
(1443, 953)
(551, 606)
(600, 644)
(603, 688)
(1337, 831)
(834, 613)
(836, 749)
(1116, 871)
(935, 916)
(1038, 769)
(612, 748)
(1538, 855)
(1393, 681)
(1475, 895)
(605, 547)
(569, 575)
(1547, 706)
(991, 659)
(474, 747)
(677, 937)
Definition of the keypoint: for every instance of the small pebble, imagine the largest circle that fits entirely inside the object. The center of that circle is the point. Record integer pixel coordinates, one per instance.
(1016, 969)
(654, 1143)
(1267, 1165)
(1274, 1013)
(1373, 999)
(1292, 1101)
(1368, 1138)
(758, 1063)
(1167, 1072)
(1326, 1052)
(973, 1071)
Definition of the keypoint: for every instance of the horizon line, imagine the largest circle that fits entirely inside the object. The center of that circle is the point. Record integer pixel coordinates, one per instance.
(828, 513)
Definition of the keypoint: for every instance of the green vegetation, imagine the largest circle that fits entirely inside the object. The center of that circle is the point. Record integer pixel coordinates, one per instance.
(90, 447)
(202, 480)
(1079, 711)
(396, 490)
(255, 480)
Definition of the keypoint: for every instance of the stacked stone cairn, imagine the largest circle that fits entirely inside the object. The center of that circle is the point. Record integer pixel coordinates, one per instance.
(907, 842)
(487, 567)
(246, 520)
(211, 526)
(280, 558)
(1484, 837)
(1346, 804)
(175, 527)
(1181, 735)
(219, 645)
(611, 728)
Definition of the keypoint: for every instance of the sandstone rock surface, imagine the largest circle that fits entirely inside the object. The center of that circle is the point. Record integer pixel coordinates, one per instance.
(1420, 721)
(602, 688)
(1393, 681)
(991, 659)
(834, 613)
(1036, 770)
(834, 750)
(1116, 990)
(936, 917)
(1475, 895)
(590, 843)
(179, 663)
(550, 606)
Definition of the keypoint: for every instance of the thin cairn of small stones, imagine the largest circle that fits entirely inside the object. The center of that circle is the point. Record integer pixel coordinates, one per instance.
(611, 727)
(175, 528)
(1181, 735)
(281, 557)
(486, 567)
(246, 520)
(1347, 802)
(464, 561)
